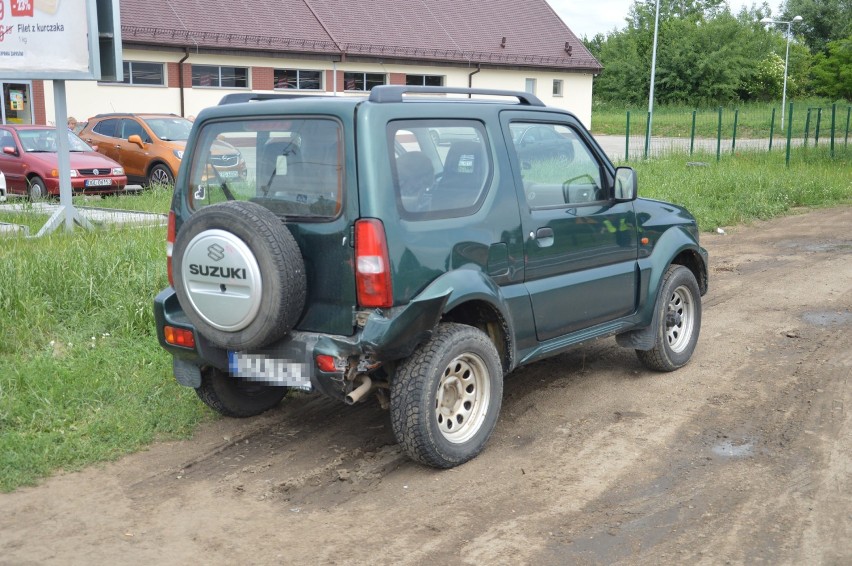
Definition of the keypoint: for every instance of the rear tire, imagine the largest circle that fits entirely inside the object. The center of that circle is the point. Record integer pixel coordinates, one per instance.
(445, 398)
(678, 319)
(229, 396)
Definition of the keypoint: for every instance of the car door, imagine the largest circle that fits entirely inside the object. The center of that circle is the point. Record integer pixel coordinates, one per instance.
(133, 158)
(104, 135)
(12, 164)
(580, 245)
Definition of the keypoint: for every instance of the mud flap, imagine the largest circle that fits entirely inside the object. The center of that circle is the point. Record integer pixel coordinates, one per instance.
(187, 373)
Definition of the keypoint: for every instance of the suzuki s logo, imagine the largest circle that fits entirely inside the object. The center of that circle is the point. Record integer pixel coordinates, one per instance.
(215, 252)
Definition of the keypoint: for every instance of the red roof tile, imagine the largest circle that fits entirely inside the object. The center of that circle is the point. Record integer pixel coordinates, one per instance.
(425, 30)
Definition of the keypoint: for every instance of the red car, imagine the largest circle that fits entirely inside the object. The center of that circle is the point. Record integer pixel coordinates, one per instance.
(29, 161)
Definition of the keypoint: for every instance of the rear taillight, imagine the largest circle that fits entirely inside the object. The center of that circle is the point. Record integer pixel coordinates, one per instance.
(170, 245)
(179, 336)
(372, 267)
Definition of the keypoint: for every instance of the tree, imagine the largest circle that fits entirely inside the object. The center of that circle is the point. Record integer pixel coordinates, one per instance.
(832, 72)
(823, 21)
(704, 54)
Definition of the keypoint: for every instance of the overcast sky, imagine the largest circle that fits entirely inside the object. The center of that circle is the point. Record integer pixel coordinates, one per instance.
(601, 16)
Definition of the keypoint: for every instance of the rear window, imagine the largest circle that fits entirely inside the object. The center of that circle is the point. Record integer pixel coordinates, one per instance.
(293, 167)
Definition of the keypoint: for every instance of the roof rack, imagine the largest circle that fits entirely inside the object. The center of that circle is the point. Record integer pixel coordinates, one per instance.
(237, 97)
(393, 93)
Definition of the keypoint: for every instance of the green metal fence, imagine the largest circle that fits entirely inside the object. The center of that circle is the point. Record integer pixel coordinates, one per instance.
(725, 131)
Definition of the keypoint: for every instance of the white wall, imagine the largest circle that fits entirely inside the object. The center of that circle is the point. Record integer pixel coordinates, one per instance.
(87, 98)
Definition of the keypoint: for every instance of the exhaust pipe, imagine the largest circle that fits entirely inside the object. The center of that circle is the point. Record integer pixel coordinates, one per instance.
(356, 394)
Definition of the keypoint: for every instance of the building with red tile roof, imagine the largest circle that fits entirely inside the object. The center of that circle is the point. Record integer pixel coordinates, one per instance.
(181, 56)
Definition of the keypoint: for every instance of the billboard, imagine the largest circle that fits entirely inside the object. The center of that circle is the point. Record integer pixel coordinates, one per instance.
(52, 39)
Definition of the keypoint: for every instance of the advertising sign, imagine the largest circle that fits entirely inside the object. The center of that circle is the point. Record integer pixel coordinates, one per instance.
(49, 39)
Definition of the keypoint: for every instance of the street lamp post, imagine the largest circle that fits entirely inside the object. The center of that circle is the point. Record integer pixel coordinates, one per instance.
(766, 21)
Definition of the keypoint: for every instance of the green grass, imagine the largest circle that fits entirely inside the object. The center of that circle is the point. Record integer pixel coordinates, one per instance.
(748, 186)
(753, 120)
(83, 379)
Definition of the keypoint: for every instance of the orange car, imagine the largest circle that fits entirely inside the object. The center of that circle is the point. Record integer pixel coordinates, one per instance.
(150, 146)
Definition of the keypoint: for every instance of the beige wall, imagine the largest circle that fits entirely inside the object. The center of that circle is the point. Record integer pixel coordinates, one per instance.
(87, 98)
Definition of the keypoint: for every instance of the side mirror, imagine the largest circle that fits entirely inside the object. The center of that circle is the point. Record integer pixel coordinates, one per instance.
(625, 184)
(137, 140)
(9, 150)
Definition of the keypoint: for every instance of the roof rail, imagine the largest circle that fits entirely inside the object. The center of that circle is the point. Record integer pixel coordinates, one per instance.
(393, 93)
(237, 97)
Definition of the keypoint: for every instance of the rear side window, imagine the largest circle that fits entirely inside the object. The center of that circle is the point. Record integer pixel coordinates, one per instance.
(293, 167)
(442, 168)
(106, 127)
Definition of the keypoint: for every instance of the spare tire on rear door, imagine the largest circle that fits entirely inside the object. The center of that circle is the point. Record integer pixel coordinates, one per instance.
(239, 275)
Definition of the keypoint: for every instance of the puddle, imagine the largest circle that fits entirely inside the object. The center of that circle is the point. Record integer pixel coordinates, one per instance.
(734, 448)
(828, 318)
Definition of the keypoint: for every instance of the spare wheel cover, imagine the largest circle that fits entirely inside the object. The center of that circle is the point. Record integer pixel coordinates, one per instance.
(222, 280)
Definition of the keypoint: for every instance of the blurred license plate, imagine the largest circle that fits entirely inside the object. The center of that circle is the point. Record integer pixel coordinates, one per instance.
(229, 174)
(98, 182)
(270, 371)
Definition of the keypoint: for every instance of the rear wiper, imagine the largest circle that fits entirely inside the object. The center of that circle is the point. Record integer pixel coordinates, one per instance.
(228, 194)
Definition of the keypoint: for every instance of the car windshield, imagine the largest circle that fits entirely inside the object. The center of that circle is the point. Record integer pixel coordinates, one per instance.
(170, 129)
(44, 141)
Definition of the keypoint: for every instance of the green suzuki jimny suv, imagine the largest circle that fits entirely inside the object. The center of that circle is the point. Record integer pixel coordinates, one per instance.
(416, 244)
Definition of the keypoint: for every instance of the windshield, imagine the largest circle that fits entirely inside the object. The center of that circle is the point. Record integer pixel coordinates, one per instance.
(44, 141)
(170, 129)
(292, 167)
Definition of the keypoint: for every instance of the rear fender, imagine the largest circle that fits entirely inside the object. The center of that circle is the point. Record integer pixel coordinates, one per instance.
(394, 334)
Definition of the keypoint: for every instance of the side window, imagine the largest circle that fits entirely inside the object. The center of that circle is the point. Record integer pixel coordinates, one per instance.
(132, 127)
(442, 168)
(106, 128)
(557, 167)
(6, 139)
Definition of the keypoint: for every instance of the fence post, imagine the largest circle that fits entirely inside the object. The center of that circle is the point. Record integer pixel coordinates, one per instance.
(772, 127)
(789, 132)
(692, 134)
(848, 115)
(719, 137)
(734, 137)
(807, 126)
(833, 112)
(816, 130)
(627, 139)
(648, 135)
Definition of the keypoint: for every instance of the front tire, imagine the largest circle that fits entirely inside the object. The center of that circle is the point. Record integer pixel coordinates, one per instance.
(678, 319)
(37, 190)
(445, 398)
(160, 175)
(229, 396)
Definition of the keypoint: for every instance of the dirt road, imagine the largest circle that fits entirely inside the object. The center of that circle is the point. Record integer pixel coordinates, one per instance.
(742, 457)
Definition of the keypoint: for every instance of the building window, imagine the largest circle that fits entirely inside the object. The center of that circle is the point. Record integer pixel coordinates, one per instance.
(424, 80)
(297, 79)
(557, 87)
(225, 77)
(139, 73)
(362, 81)
(530, 86)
